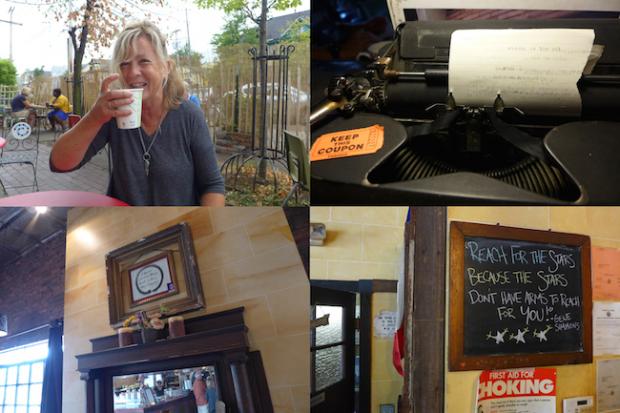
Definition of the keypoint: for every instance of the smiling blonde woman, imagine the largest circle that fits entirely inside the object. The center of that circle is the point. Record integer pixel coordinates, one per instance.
(170, 159)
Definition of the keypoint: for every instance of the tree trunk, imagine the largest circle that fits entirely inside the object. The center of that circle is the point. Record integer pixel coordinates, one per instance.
(77, 82)
(237, 92)
(79, 48)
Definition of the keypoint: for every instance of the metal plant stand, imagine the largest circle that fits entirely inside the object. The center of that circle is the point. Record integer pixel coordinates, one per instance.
(266, 157)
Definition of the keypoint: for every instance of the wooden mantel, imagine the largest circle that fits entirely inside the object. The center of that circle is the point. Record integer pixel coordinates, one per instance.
(218, 339)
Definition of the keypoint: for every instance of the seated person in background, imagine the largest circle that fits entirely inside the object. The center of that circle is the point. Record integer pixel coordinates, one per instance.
(21, 107)
(61, 109)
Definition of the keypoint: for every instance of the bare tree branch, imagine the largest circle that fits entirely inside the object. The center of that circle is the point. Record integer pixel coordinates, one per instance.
(250, 14)
(73, 39)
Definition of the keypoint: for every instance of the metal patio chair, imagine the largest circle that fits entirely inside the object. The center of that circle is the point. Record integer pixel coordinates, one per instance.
(298, 165)
(21, 148)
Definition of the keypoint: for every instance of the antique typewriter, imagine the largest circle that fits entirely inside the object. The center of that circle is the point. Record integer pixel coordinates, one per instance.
(438, 152)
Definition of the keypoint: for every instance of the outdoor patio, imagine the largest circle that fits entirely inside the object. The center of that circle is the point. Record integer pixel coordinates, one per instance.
(92, 177)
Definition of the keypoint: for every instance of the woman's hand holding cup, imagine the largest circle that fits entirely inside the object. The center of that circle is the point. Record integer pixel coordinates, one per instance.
(109, 103)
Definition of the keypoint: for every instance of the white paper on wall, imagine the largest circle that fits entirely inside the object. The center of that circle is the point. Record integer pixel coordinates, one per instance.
(606, 327)
(385, 324)
(608, 385)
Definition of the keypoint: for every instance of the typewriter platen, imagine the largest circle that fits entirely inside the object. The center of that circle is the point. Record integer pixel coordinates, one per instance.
(436, 152)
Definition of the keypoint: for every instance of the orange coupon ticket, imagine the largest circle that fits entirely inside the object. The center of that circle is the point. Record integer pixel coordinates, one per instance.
(346, 143)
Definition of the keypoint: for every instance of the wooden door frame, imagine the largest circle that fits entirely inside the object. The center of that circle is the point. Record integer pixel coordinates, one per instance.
(424, 319)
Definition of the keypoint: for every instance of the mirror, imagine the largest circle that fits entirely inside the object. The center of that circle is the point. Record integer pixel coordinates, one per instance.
(176, 391)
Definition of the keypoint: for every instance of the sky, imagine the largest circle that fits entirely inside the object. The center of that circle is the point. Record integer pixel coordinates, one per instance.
(40, 41)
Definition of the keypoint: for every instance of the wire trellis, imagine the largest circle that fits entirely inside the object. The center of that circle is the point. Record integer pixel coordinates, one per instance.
(265, 159)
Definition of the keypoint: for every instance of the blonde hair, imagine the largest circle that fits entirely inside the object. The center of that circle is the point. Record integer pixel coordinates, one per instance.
(173, 85)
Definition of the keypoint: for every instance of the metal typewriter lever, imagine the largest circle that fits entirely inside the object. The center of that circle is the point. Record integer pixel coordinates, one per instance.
(346, 94)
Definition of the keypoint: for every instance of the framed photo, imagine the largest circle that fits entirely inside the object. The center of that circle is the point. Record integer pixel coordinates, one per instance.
(153, 279)
(157, 270)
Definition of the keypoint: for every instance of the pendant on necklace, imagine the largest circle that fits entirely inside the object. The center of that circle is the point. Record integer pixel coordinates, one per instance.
(147, 162)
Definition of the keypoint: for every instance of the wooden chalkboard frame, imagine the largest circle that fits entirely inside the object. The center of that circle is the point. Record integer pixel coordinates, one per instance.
(458, 361)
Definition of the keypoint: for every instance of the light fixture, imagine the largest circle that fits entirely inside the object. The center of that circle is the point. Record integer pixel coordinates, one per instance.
(86, 237)
(3, 325)
(41, 209)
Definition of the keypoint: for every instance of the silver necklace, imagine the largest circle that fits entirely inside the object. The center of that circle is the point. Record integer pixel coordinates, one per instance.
(146, 155)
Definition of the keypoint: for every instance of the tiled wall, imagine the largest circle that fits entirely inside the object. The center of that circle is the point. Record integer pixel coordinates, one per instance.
(364, 243)
(246, 257)
(601, 224)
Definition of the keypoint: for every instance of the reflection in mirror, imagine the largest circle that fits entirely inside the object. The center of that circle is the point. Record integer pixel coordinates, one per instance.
(175, 391)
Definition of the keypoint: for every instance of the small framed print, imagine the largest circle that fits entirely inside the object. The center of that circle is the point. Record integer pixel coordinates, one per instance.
(153, 279)
(156, 270)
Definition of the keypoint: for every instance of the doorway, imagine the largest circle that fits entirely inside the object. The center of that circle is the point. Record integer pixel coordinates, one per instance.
(351, 302)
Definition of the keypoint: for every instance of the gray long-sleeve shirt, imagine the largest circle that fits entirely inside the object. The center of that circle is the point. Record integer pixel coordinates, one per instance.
(183, 166)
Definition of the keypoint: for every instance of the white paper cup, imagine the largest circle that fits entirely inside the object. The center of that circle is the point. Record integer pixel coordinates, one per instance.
(134, 120)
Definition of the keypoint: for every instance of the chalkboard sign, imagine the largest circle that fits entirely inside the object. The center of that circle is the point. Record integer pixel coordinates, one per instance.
(518, 297)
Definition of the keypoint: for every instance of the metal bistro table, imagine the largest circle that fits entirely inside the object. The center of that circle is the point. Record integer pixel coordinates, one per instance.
(41, 116)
